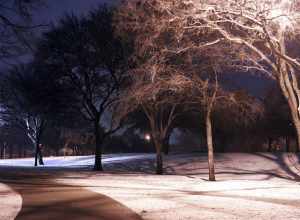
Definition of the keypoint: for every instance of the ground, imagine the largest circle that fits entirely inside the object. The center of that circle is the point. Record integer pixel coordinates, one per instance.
(249, 186)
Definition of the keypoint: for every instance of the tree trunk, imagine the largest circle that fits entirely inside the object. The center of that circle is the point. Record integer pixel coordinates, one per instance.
(98, 150)
(159, 157)
(298, 136)
(296, 121)
(38, 156)
(166, 145)
(159, 163)
(210, 148)
(41, 162)
(287, 143)
(36, 153)
(297, 144)
(270, 142)
(288, 84)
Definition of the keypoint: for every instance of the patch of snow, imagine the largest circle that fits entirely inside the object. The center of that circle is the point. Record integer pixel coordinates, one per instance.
(74, 161)
(10, 203)
(249, 186)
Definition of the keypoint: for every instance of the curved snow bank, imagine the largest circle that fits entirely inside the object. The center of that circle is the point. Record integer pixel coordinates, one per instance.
(10, 202)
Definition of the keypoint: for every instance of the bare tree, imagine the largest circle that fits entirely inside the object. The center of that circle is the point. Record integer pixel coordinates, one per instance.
(155, 85)
(16, 26)
(209, 95)
(20, 109)
(260, 32)
(206, 92)
(88, 58)
(167, 60)
(30, 101)
(160, 100)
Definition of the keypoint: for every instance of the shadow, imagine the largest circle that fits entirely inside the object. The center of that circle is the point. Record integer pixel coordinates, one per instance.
(280, 159)
(294, 158)
(190, 166)
(148, 165)
(285, 202)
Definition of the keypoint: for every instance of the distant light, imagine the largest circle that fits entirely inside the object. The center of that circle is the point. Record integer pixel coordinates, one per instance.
(147, 137)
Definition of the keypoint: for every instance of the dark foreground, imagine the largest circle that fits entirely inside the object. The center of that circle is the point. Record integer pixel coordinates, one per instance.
(45, 199)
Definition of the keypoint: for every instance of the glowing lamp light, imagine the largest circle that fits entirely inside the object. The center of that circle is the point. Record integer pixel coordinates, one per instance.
(147, 137)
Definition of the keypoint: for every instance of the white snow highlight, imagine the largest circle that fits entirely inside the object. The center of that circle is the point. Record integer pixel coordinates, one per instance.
(73, 161)
(10, 202)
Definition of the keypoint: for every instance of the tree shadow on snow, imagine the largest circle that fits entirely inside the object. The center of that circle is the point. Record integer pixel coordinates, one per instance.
(291, 168)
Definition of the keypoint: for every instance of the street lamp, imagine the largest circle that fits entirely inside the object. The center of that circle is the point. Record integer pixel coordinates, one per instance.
(147, 137)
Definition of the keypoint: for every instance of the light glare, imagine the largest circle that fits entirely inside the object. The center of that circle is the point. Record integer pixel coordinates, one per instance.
(147, 137)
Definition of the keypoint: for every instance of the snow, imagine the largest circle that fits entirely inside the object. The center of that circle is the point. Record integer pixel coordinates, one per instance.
(250, 186)
(73, 161)
(10, 202)
(260, 186)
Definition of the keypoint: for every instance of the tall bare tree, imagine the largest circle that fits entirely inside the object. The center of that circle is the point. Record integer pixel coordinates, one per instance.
(88, 58)
(160, 100)
(207, 92)
(155, 79)
(166, 56)
(30, 100)
(260, 32)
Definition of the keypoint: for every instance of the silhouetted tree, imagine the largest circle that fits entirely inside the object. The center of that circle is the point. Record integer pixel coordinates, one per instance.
(30, 100)
(89, 59)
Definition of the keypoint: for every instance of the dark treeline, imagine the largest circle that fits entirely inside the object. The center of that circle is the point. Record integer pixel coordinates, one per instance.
(100, 83)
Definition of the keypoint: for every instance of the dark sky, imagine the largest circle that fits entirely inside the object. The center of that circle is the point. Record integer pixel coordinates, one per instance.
(54, 9)
(50, 12)
(57, 8)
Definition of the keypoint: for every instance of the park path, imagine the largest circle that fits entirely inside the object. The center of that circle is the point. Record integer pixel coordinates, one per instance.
(45, 199)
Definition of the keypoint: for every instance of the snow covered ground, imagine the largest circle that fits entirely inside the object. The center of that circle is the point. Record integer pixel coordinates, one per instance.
(249, 186)
(74, 161)
(10, 202)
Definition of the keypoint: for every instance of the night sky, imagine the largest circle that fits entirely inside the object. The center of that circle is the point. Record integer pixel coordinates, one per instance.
(54, 9)
(50, 12)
